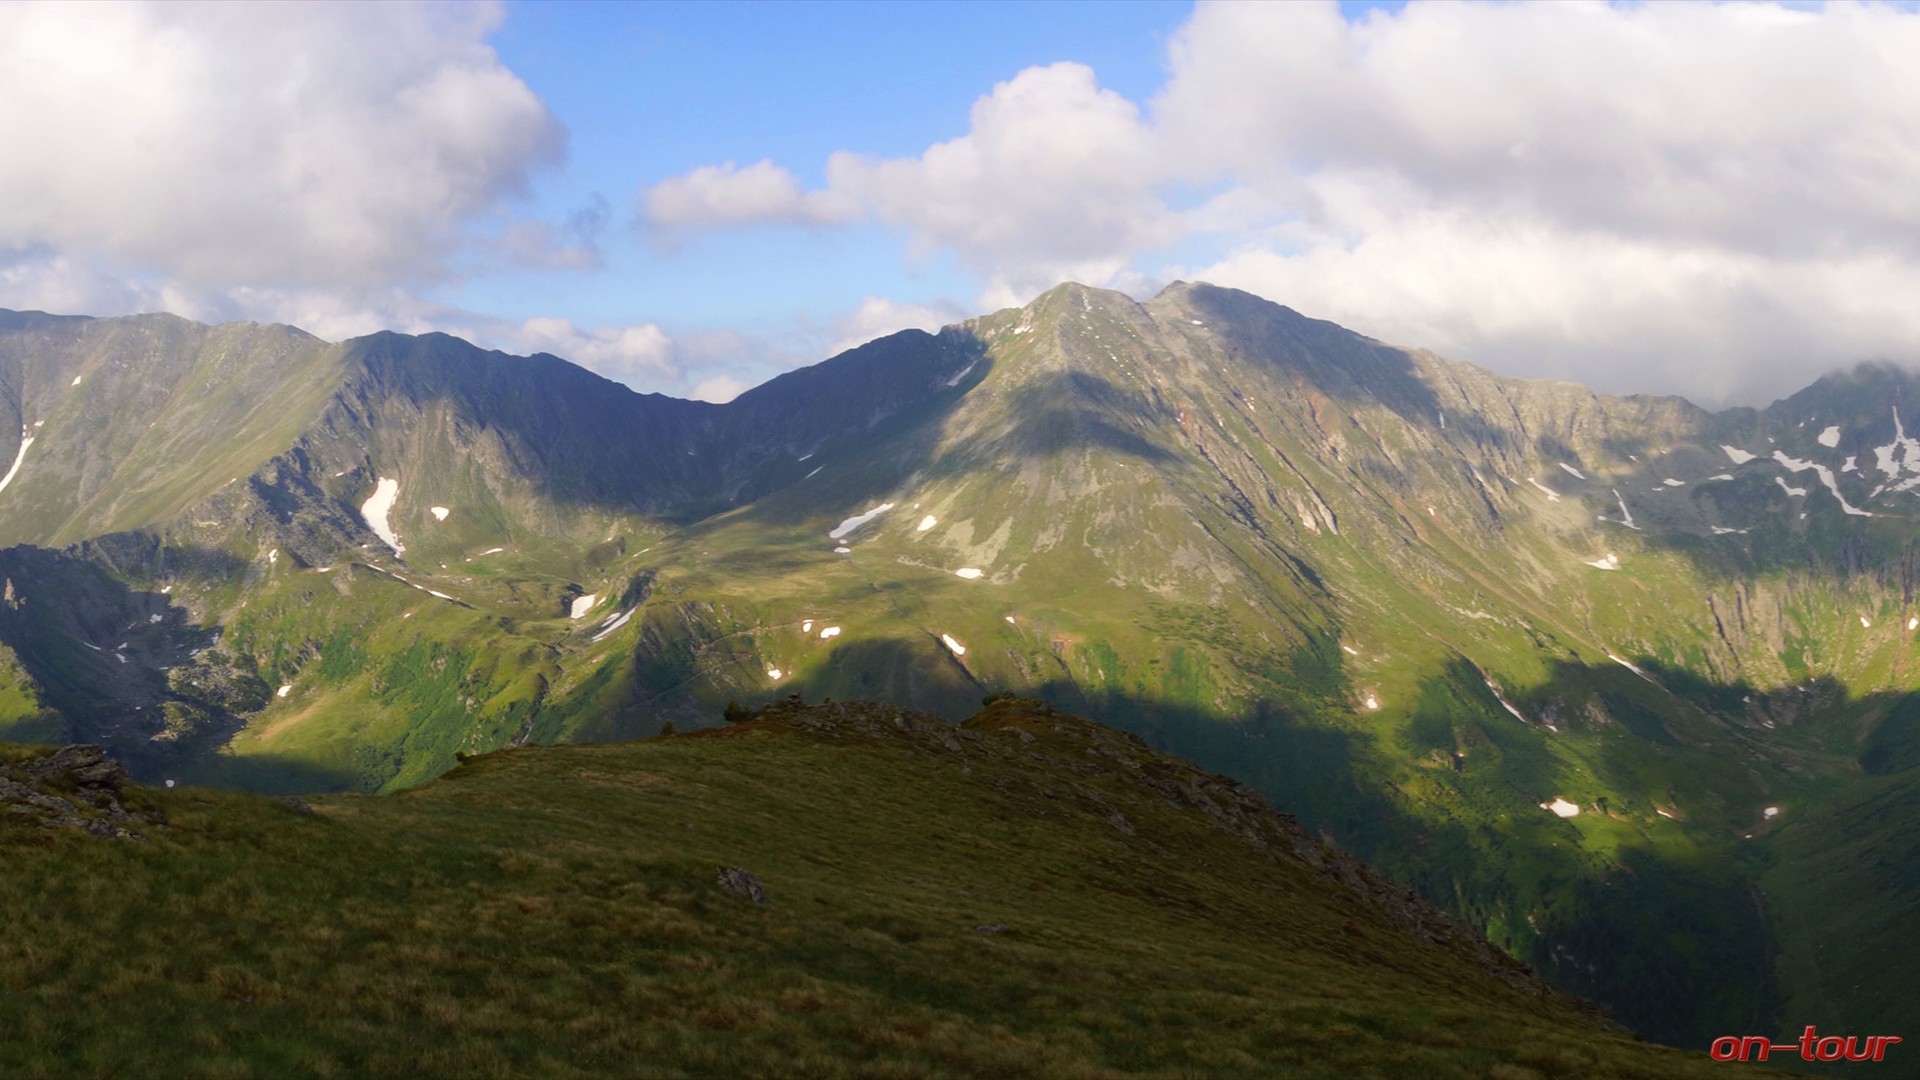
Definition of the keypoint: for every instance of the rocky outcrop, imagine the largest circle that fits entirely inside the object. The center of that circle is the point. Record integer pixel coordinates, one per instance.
(75, 787)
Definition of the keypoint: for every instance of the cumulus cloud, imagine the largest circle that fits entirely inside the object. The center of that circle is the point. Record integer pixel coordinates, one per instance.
(723, 195)
(1691, 198)
(640, 355)
(877, 316)
(302, 145)
(719, 389)
(1708, 199)
(1046, 184)
(1052, 180)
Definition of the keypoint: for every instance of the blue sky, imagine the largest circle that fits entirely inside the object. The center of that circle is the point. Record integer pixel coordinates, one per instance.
(1707, 199)
(648, 90)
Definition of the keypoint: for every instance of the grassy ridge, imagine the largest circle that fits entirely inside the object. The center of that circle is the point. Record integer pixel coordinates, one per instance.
(1025, 896)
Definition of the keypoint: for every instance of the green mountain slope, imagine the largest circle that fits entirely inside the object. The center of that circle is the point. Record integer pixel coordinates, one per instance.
(1026, 894)
(1591, 672)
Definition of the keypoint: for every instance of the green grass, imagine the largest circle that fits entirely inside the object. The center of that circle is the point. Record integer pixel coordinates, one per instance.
(554, 911)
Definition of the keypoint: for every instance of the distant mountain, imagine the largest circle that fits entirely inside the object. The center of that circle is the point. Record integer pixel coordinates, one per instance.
(1580, 668)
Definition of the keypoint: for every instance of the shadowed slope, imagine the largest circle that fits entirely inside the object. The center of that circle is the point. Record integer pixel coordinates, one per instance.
(1025, 895)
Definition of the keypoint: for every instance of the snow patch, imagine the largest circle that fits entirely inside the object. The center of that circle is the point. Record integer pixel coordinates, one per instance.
(957, 648)
(1830, 437)
(806, 626)
(17, 459)
(378, 506)
(1010, 621)
(968, 572)
(1573, 470)
(1852, 465)
(1722, 530)
(1610, 562)
(1632, 668)
(582, 605)
(1552, 495)
(1902, 452)
(439, 512)
(1671, 482)
(843, 550)
(1502, 699)
(1865, 623)
(1350, 650)
(1626, 515)
(1773, 811)
(284, 690)
(829, 632)
(76, 381)
(1826, 479)
(273, 556)
(607, 628)
(1788, 488)
(926, 523)
(1739, 456)
(154, 618)
(1914, 623)
(1664, 814)
(1372, 703)
(491, 551)
(1196, 322)
(1562, 807)
(857, 520)
(961, 374)
(773, 673)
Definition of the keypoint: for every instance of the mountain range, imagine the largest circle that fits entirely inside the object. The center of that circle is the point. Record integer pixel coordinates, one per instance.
(1622, 682)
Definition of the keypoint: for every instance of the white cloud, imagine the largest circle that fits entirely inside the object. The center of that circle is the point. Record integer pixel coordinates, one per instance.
(641, 355)
(272, 146)
(877, 316)
(1686, 198)
(1708, 199)
(719, 389)
(1052, 180)
(723, 195)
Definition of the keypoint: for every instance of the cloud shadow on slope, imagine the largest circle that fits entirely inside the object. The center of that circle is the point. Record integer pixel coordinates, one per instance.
(1335, 361)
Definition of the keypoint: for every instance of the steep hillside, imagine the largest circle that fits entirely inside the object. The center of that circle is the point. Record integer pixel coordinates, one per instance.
(847, 890)
(1545, 653)
(1591, 672)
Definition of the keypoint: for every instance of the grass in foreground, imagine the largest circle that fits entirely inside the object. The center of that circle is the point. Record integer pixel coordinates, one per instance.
(1027, 895)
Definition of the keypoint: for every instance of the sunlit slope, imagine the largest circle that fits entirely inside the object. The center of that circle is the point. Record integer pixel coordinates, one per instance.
(263, 510)
(1426, 604)
(1026, 894)
(132, 421)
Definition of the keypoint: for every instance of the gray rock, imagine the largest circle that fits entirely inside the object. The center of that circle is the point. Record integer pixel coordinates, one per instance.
(742, 884)
(75, 787)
